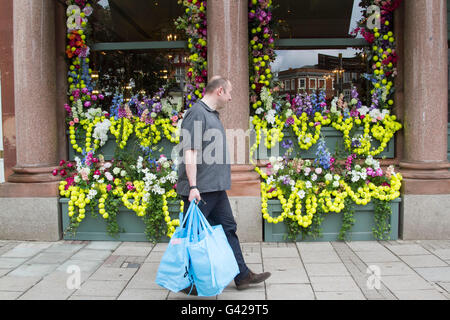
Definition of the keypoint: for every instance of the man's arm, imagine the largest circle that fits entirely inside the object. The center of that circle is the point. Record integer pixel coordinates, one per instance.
(190, 157)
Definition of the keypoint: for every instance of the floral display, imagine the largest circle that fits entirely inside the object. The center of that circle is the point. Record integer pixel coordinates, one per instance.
(194, 24)
(137, 180)
(306, 187)
(299, 184)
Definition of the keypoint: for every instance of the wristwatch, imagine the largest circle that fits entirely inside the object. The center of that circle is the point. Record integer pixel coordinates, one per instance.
(193, 187)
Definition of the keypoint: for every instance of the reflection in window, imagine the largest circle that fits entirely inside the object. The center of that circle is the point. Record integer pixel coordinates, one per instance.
(332, 71)
(316, 19)
(138, 73)
(136, 20)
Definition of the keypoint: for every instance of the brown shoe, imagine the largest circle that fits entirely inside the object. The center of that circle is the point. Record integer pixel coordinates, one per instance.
(252, 278)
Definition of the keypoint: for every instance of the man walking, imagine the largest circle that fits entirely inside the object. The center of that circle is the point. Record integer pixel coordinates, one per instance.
(205, 173)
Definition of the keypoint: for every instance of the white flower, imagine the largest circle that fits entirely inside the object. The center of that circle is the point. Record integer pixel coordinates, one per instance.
(123, 173)
(337, 177)
(116, 171)
(301, 194)
(109, 176)
(308, 184)
(96, 176)
(314, 177)
(101, 131)
(307, 171)
(363, 110)
(328, 177)
(259, 111)
(355, 178)
(292, 183)
(318, 170)
(270, 117)
(336, 184)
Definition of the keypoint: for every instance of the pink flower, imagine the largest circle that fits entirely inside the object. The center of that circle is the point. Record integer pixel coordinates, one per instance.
(63, 173)
(61, 163)
(109, 187)
(71, 123)
(76, 120)
(55, 172)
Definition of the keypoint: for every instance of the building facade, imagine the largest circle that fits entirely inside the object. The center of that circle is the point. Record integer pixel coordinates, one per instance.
(33, 91)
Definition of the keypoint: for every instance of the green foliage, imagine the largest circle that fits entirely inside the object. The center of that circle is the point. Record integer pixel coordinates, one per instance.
(383, 212)
(348, 220)
(155, 226)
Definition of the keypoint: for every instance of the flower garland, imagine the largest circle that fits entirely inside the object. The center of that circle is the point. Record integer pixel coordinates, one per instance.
(194, 24)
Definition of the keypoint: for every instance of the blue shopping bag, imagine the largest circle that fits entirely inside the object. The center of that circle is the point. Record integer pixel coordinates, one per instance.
(173, 271)
(213, 264)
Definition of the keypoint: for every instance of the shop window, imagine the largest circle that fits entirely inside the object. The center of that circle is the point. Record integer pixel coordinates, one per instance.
(137, 49)
(302, 83)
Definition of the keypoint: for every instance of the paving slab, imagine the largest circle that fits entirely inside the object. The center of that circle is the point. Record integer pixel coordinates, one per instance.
(143, 294)
(334, 284)
(289, 292)
(154, 256)
(290, 252)
(33, 270)
(424, 261)
(394, 269)
(73, 297)
(130, 250)
(403, 283)
(438, 274)
(11, 262)
(419, 295)
(145, 277)
(15, 283)
(47, 257)
(319, 257)
(10, 295)
(26, 249)
(101, 288)
(314, 246)
(326, 269)
(342, 295)
(248, 294)
(88, 254)
(64, 246)
(183, 296)
(371, 257)
(113, 274)
(103, 245)
(358, 246)
(52, 287)
(444, 254)
(407, 249)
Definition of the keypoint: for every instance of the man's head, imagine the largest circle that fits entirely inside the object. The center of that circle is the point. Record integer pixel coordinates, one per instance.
(218, 91)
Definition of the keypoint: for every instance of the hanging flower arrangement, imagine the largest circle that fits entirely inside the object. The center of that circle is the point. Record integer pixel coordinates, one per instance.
(194, 24)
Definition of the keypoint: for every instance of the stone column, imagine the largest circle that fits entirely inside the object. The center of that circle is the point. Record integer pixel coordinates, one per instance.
(29, 200)
(424, 163)
(228, 57)
(35, 90)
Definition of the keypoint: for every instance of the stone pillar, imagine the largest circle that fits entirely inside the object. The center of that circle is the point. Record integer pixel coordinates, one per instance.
(35, 90)
(228, 57)
(30, 197)
(424, 163)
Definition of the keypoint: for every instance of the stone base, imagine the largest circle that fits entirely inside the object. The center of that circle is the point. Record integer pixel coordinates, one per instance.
(36, 219)
(247, 213)
(425, 217)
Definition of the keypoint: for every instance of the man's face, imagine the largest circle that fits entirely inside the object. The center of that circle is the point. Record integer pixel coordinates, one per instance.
(224, 95)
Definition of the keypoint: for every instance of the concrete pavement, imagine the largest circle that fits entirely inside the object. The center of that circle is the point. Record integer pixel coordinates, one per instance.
(85, 270)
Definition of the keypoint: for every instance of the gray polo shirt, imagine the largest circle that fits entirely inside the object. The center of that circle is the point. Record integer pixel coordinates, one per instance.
(202, 130)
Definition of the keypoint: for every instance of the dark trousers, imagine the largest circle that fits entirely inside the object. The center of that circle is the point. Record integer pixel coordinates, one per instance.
(217, 210)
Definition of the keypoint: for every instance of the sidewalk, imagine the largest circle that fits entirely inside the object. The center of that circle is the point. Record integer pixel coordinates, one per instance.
(302, 271)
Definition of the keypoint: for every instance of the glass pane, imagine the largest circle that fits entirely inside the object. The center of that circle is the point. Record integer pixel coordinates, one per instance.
(334, 71)
(138, 74)
(316, 18)
(136, 20)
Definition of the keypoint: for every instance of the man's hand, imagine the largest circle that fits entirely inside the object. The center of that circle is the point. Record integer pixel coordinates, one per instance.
(194, 194)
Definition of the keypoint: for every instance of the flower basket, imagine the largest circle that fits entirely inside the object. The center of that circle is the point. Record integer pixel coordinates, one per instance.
(331, 225)
(94, 228)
